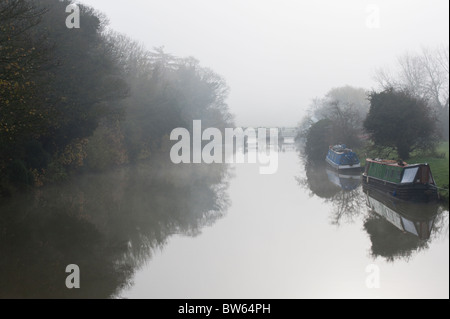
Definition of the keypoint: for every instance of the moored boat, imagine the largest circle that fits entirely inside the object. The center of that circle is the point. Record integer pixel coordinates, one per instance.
(342, 158)
(412, 182)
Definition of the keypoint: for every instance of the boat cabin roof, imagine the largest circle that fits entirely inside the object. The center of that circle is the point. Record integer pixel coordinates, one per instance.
(340, 149)
(395, 163)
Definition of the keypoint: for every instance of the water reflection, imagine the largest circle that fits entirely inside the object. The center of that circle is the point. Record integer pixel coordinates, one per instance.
(398, 229)
(112, 225)
(339, 189)
(348, 181)
(416, 219)
(282, 145)
(108, 224)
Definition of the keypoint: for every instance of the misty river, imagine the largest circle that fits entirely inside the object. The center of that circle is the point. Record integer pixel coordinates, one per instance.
(160, 230)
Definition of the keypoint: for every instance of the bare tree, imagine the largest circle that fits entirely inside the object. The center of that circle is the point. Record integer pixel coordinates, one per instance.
(425, 75)
(344, 109)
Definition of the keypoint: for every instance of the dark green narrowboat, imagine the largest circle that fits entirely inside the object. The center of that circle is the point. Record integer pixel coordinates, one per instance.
(412, 182)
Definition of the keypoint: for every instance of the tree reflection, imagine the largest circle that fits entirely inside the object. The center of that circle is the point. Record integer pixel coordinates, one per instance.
(441, 224)
(341, 190)
(347, 206)
(107, 224)
(316, 181)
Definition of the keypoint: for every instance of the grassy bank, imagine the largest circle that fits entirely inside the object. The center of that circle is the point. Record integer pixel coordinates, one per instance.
(439, 163)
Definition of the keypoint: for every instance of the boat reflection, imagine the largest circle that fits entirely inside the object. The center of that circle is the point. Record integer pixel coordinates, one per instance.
(346, 180)
(399, 229)
(413, 218)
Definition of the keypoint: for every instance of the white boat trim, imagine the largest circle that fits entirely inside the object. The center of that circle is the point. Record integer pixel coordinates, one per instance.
(342, 166)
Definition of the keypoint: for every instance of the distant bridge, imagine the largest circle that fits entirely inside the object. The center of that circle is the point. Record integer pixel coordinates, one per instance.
(286, 135)
(286, 132)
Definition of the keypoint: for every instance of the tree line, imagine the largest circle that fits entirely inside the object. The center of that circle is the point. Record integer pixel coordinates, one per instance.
(82, 99)
(409, 112)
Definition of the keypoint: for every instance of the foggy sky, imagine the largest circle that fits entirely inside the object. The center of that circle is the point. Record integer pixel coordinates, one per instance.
(277, 56)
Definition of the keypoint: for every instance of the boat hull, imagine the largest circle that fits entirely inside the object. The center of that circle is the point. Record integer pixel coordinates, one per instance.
(410, 192)
(343, 167)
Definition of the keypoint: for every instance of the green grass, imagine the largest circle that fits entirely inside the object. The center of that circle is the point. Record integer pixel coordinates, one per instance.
(439, 166)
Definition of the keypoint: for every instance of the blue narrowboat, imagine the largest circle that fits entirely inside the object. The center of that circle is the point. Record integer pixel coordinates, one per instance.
(342, 158)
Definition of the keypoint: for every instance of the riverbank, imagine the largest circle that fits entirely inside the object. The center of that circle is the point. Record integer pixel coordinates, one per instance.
(439, 164)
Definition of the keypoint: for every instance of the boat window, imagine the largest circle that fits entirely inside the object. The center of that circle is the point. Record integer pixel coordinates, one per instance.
(409, 226)
(409, 175)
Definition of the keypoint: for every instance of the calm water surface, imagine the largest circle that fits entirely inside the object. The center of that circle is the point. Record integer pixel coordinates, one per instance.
(165, 231)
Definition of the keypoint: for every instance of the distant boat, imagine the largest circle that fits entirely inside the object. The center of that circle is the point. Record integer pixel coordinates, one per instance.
(342, 158)
(413, 182)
